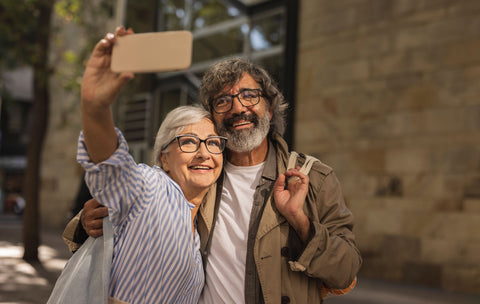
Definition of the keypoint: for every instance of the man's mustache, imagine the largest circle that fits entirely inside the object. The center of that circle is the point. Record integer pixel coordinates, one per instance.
(229, 122)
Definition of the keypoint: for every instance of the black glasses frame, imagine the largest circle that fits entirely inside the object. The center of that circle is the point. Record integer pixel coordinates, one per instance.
(204, 141)
(237, 96)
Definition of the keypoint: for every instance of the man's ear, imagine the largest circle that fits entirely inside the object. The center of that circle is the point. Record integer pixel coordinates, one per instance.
(163, 159)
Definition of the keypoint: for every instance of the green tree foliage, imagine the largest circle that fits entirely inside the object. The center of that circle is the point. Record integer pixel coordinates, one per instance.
(19, 32)
(92, 17)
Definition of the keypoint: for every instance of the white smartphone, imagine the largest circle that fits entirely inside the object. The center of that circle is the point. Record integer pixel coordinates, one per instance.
(152, 52)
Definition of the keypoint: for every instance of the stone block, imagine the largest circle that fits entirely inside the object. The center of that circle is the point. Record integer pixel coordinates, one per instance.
(349, 72)
(438, 251)
(384, 222)
(456, 185)
(403, 124)
(450, 252)
(423, 224)
(457, 87)
(381, 268)
(330, 24)
(471, 205)
(463, 53)
(448, 205)
(459, 226)
(426, 274)
(399, 247)
(472, 189)
(369, 160)
(358, 186)
(426, 185)
(306, 128)
(418, 97)
(461, 278)
(456, 160)
(367, 244)
(390, 186)
(450, 120)
(347, 48)
(407, 160)
(410, 205)
(390, 64)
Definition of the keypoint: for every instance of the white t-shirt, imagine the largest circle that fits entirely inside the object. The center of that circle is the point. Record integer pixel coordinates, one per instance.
(225, 269)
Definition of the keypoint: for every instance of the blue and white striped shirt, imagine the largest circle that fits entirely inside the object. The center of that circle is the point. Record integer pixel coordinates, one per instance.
(156, 258)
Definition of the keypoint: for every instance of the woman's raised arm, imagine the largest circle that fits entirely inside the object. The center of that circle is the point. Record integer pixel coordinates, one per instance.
(100, 88)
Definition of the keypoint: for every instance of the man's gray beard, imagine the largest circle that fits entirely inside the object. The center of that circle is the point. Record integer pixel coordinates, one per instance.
(248, 139)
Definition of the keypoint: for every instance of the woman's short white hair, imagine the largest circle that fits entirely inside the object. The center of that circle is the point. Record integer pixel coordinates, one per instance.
(173, 125)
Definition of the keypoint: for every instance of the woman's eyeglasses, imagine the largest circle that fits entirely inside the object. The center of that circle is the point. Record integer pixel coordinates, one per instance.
(191, 143)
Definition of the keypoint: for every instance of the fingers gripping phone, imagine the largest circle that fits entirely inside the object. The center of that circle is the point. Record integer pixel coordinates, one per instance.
(152, 52)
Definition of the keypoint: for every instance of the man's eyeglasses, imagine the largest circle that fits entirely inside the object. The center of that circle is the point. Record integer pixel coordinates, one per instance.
(191, 143)
(247, 97)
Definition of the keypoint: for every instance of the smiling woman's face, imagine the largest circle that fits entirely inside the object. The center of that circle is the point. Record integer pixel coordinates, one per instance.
(197, 171)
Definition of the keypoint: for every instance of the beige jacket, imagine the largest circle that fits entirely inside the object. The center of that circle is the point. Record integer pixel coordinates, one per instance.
(330, 257)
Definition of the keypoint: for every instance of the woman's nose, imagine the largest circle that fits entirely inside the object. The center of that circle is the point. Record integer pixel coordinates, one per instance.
(202, 150)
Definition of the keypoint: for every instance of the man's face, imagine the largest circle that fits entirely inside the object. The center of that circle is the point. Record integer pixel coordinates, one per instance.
(245, 127)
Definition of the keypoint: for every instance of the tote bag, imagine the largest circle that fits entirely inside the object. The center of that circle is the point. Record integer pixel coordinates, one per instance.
(86, 276)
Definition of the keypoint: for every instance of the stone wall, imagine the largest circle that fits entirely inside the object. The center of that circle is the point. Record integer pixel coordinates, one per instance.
(392, 90)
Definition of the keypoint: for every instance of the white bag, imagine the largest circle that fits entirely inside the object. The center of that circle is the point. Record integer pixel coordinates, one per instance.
(86, 276)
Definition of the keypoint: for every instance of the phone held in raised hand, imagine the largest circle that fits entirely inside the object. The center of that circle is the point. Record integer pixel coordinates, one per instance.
(152, 52)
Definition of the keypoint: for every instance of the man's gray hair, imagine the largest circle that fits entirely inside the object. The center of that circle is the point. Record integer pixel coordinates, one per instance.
(227, 73)
(173, 125)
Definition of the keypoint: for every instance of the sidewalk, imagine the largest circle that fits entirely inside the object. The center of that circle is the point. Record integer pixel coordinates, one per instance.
(24, 283)
(370, 291)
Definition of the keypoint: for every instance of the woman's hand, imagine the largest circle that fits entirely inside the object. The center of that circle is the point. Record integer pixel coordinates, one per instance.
(100, 86)
(290, 200)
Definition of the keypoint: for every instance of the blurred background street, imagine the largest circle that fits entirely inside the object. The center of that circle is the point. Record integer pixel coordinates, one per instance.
(25, 283)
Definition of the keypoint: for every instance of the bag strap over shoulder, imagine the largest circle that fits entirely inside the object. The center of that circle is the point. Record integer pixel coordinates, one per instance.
(305, 169)
(309, 160)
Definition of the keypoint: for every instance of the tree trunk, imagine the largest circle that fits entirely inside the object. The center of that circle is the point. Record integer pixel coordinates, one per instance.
(31, 216)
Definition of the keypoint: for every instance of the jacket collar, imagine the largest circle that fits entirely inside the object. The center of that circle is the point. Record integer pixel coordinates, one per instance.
(277, 157)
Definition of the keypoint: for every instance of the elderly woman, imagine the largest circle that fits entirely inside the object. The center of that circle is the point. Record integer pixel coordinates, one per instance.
(152, 210)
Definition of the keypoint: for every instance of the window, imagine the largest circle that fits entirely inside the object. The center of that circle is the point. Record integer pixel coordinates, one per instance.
(221, 29)
(263, 31)
(254, 29)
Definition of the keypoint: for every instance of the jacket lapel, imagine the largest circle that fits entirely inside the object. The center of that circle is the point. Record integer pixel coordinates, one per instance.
(271, 218)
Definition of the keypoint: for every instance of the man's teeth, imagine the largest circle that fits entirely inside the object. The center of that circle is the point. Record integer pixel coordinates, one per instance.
(241, 123)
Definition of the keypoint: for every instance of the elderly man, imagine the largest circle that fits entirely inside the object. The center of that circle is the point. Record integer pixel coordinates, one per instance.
(256, 248)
